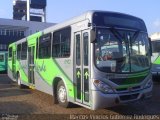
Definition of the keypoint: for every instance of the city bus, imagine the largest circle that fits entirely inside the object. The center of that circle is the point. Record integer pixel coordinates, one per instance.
(96, 60)
(155, 39)
(3, 61)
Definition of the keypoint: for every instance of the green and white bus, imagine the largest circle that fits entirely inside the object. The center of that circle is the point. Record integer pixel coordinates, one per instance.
(97, 60)
(155, 55)
(3, 61)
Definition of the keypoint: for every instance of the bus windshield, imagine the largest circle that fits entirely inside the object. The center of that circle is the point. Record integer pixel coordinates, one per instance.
(155, 46)
(121, 51)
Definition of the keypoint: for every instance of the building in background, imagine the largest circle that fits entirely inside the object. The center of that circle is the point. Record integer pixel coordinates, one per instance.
(13, 30)
(19, 9)
(155, 36)
(30, 10)
(29, 17)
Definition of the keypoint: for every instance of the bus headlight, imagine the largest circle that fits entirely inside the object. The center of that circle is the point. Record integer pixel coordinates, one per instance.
(148, 84)
(103, 86)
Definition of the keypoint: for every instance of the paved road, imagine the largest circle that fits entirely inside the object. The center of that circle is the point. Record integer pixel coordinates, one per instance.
(28, 102)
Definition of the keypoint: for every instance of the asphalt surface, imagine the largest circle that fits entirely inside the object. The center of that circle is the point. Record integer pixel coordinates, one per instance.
(26, 104)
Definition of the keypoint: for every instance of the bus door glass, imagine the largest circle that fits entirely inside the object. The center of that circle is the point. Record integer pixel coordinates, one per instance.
(81, 70)
(14, 63)
(31, 65)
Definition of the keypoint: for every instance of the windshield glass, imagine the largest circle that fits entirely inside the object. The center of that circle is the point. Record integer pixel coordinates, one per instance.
(155, 46)
(121, 51)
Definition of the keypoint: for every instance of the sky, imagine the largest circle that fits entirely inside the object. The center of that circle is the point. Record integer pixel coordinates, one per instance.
(61, 10)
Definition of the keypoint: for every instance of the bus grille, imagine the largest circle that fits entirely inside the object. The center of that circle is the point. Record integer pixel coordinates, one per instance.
(129, 97)
(128, 81)
(128, 90)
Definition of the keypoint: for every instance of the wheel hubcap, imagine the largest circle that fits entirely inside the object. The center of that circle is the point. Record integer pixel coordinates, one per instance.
(62, 94)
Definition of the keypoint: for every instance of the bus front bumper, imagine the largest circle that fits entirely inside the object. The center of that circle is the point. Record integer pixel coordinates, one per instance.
(101, 100)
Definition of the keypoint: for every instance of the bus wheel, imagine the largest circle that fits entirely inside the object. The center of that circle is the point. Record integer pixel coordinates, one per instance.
(62, 95)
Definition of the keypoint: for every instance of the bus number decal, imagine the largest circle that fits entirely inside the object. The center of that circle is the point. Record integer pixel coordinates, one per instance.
(67, 61)
(41, 68)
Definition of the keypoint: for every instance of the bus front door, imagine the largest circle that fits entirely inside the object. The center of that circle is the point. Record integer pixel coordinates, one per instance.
(82, 72)
(31, 65)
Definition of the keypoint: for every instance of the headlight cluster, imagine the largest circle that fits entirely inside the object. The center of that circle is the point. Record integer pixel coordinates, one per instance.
(103, 86)
(148, 84)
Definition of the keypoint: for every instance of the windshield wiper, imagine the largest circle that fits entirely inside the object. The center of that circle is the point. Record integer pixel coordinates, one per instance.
(134, 37)
(116, 33)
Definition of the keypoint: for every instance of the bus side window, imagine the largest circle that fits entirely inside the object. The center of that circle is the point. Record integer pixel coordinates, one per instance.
(24, 51)
(45, 46)
(61, 43)
(19, 51)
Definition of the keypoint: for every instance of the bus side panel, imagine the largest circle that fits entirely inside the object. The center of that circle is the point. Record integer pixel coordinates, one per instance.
(42, 84)
(21, 67)
(10, 68)
(44, 76)
(46, 71)
(65, 67)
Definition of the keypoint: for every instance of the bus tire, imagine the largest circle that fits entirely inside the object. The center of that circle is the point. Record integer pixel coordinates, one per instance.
(21, 86)
(62, 94)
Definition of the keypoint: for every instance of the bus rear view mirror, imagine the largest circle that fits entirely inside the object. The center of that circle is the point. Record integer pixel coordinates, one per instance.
(150, 44)
(93, 36)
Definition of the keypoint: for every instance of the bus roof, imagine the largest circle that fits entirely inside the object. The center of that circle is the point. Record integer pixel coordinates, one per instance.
(12, 45)
(20, 41)
(84, 16)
